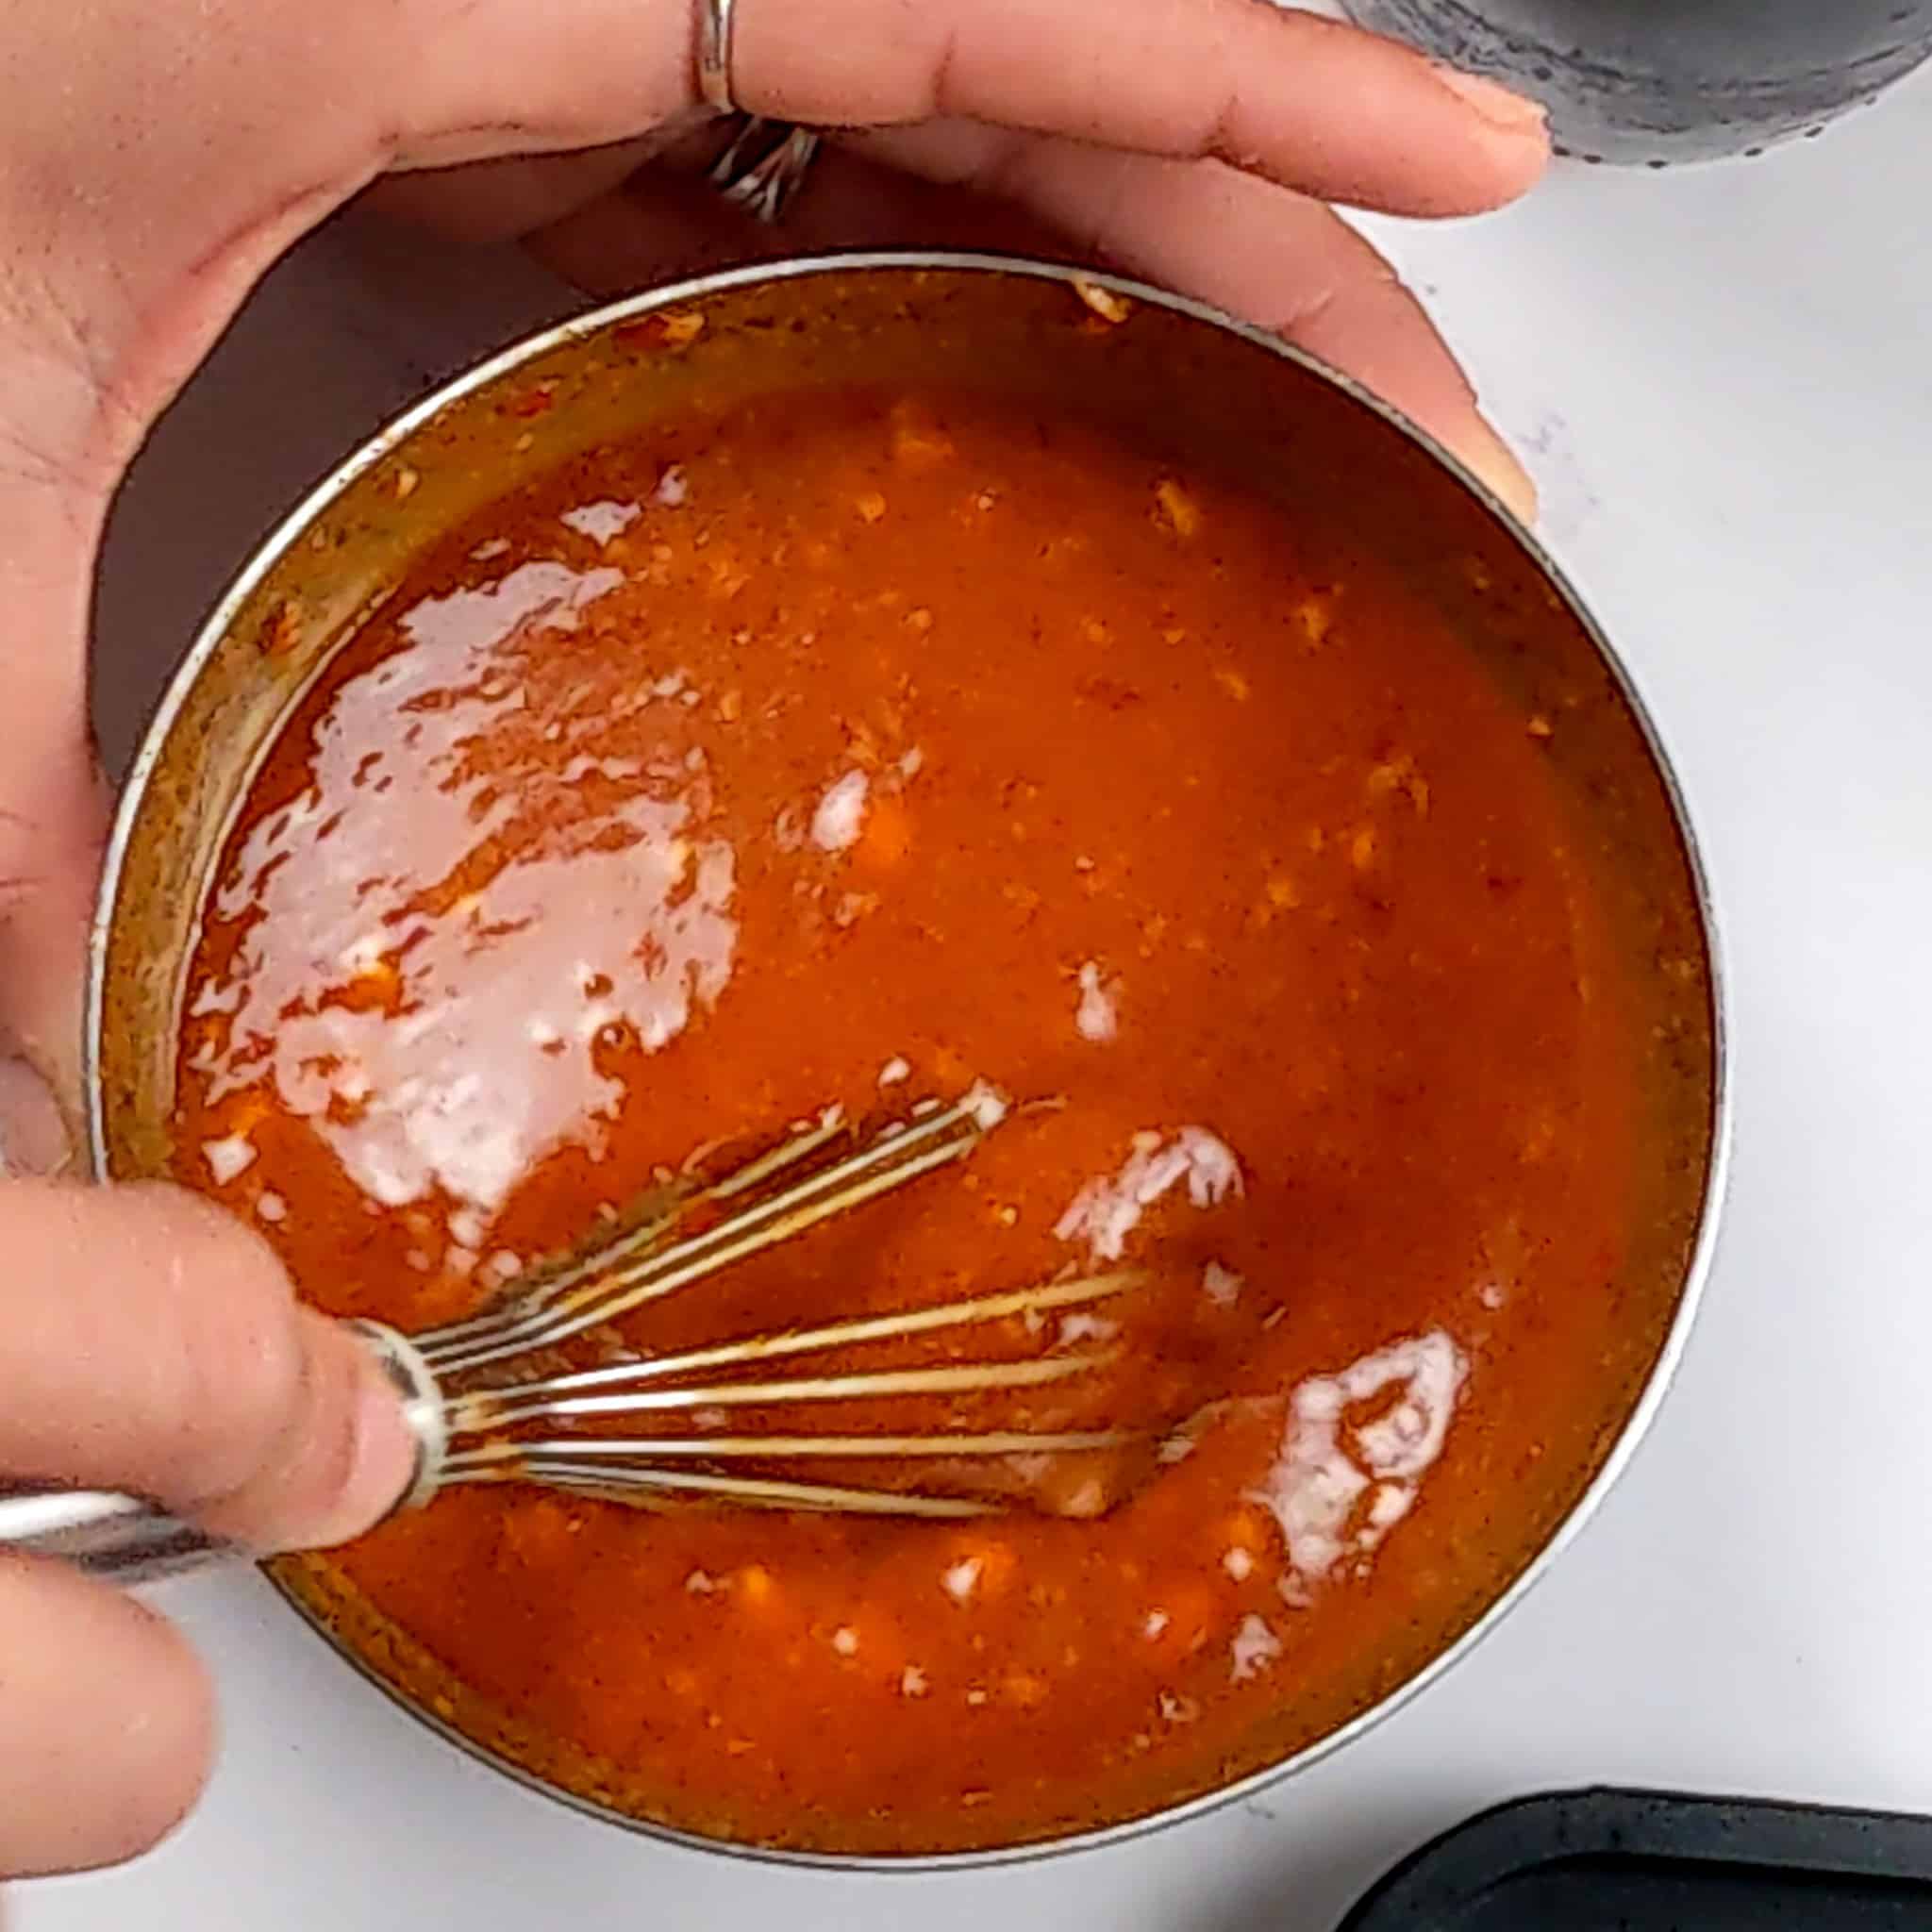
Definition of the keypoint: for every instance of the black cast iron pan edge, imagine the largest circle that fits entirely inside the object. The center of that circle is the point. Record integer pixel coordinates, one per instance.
(1592, 1836)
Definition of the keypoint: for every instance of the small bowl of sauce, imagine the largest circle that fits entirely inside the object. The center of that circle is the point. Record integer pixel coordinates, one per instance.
(820, 685)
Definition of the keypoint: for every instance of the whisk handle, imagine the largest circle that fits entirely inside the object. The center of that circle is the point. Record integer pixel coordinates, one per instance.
(118, 1539)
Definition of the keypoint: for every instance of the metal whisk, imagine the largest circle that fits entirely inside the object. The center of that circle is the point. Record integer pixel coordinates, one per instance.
(474, 1425)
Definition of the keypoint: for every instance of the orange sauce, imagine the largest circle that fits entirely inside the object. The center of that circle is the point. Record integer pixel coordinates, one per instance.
(850, 749)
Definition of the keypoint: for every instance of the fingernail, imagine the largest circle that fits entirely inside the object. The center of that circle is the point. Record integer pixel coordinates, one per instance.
(382, 1463)
(1498, 105)
(1495, 463)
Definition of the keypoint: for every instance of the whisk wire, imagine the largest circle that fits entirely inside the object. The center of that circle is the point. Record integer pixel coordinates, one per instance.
(661, 1488)
(583, 1453)
(481, 1434)
(560, 1393)
(587, 1295)
(954, 1379)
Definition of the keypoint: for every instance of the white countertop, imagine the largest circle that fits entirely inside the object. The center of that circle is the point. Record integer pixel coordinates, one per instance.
(1723, 382)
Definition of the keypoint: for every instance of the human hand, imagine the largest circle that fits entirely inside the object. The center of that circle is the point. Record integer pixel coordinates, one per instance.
(155, 158)
(1149, 186)
(148, 1342)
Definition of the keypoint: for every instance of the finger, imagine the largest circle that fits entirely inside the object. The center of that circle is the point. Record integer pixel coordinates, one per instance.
(106, 1724)
(53, 798)
(151, 1343)
(1272, 258)
(1324, 107)
(1341, 113)
(52, 828)
(1258, 251)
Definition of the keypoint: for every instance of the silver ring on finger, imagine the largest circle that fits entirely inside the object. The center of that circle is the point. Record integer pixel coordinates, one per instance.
(714, 55)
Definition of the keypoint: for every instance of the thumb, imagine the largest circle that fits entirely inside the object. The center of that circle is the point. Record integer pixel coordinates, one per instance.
(54, 800)
(35, 1135)
(158, 1349)
(52, 828)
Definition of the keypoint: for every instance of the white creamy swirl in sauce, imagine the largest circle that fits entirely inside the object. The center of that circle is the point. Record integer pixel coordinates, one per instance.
(1109, 1209)
(1338, 1486)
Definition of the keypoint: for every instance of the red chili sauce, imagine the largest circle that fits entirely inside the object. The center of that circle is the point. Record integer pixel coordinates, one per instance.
(840, 752)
